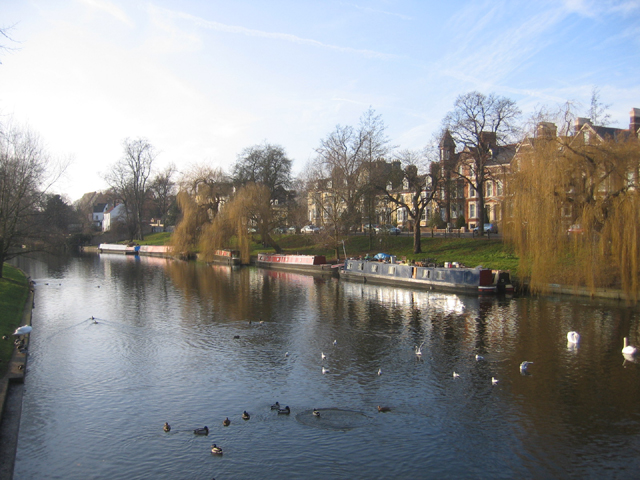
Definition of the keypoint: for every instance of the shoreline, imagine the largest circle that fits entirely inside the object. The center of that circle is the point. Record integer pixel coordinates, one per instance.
(11, 391)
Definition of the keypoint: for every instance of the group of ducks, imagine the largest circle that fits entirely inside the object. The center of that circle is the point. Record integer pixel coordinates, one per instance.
(205, 430)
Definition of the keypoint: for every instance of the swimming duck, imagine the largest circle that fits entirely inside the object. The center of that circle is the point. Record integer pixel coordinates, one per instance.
(275, 406)
(628, 349)
(316, 413)
(324, 370)
(322, 356)
(479, 358)
(215, 449)
(573, 337)
(284, 411)
(167, 427)
(455, 375)
(494, 381)
(384, 409)
(226, 422)
(379, 371)
(523, 367)
(202, 431)
(245, 415)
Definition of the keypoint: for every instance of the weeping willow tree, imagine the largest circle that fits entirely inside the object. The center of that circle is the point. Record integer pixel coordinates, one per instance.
(590, 184)
(186, 236)
(251, 206)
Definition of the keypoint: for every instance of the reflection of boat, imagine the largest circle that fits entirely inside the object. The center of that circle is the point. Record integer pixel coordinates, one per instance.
(469, 280)
(299, 263)
(226, 257)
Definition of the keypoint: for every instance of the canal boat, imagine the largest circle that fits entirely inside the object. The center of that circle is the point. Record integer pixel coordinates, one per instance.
(477, 280)
(118, 248)
(316, 264)
(226, 257)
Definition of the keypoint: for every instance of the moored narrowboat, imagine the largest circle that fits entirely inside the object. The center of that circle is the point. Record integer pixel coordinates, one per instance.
(466, 280)
(226, 257)
(316, 264)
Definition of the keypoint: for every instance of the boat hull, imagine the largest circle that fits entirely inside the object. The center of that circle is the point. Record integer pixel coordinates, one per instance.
(463, 280)
(314, 264)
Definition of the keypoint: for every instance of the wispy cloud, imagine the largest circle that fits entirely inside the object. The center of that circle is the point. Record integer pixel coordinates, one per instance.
(109, 8)
(285, 37)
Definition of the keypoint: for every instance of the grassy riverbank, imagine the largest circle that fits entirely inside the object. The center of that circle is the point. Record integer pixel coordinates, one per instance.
(14, 288)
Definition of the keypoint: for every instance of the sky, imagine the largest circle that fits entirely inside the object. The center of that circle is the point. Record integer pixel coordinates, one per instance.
(202, 80)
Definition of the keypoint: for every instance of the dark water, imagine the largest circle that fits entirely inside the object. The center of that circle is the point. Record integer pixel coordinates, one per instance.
(163, 350)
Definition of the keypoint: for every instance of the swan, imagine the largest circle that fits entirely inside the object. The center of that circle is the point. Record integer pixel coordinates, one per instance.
(202, 431)
(324, 370)
(215, 449)
(284, 411)
(316, 412)
(384, 409)
(455, 375)
(226, 422)
(275, 406)
(23, 330)
(245, 415)
(628, 349)
(573, 337)
(167, 427)
(523, 366)
(322, 356)
(494, 381)
(379, 371)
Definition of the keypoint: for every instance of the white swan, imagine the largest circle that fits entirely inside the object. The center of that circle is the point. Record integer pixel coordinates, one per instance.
(23, 330)
(324, 370)
(455, 375)
(523, 366)
(479, 358)
(628, 349)
(573, 337)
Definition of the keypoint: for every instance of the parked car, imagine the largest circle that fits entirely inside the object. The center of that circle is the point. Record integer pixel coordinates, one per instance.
(575, 229)
(369, 226)
(388, 229)
(309, 229)
(488, 228)
(292, 230)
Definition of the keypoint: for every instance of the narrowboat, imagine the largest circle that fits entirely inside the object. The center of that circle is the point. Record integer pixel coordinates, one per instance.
(226, 257)
(316, 264)
(461, 279)
(118, 248)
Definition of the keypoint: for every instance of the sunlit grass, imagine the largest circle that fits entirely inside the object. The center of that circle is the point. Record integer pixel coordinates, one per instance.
(13, 295)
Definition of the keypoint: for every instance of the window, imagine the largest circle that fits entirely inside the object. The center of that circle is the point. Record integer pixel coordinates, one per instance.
(374, 268)
(472, 192)
(472, 210)
(426, 274)
(489, 189)
(499, 188)
(392, 270)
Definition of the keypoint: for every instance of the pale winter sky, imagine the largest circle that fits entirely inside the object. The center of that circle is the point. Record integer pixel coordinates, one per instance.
(204, 79)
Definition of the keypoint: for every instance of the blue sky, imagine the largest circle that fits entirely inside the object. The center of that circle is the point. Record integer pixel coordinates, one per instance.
(202, 80)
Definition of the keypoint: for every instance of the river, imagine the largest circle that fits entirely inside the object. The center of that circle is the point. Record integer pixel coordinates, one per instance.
(191, 345)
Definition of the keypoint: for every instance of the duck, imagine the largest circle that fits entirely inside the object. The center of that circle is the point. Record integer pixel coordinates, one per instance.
(573, 337)
(335, 342)
(628, 349)
(275, 406)
(202, 431)
(216, 449)
(316, 412)
(226, 422)
(284, 411)
(479, 358)
(524, 366)
(379, 371)
(245, 415)
(322, 356)
(494, 381)
(286, 354)
(167, 427)
(455, 375)
(324, 370)
(384, 409)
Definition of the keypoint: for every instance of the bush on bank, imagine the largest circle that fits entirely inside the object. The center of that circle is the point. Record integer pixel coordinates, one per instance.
(14, 288)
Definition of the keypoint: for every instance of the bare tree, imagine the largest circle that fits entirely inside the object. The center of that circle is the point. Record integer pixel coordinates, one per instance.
(129, 178)
(26, 173)
(266, 165)
(479, 123)
(163, 190)
(598, 111)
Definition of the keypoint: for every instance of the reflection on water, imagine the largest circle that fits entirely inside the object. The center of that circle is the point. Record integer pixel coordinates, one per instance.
(190, 344)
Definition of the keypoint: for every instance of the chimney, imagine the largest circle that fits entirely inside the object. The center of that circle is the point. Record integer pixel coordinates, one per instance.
(488, 138)
(634, 120)
(546, 130)
(580, 122)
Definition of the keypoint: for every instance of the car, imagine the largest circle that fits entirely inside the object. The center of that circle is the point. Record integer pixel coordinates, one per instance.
(575, 229)
(309, 229)
(369, 226)
(292, 230)
(388, 229)
(488, 228)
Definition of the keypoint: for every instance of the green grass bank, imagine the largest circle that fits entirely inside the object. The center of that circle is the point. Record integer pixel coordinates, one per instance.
(14, 288)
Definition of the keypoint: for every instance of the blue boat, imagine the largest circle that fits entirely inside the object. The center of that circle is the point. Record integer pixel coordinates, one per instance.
(477, 280)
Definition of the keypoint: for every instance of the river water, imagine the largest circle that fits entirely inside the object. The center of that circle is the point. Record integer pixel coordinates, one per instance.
(190, 345)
